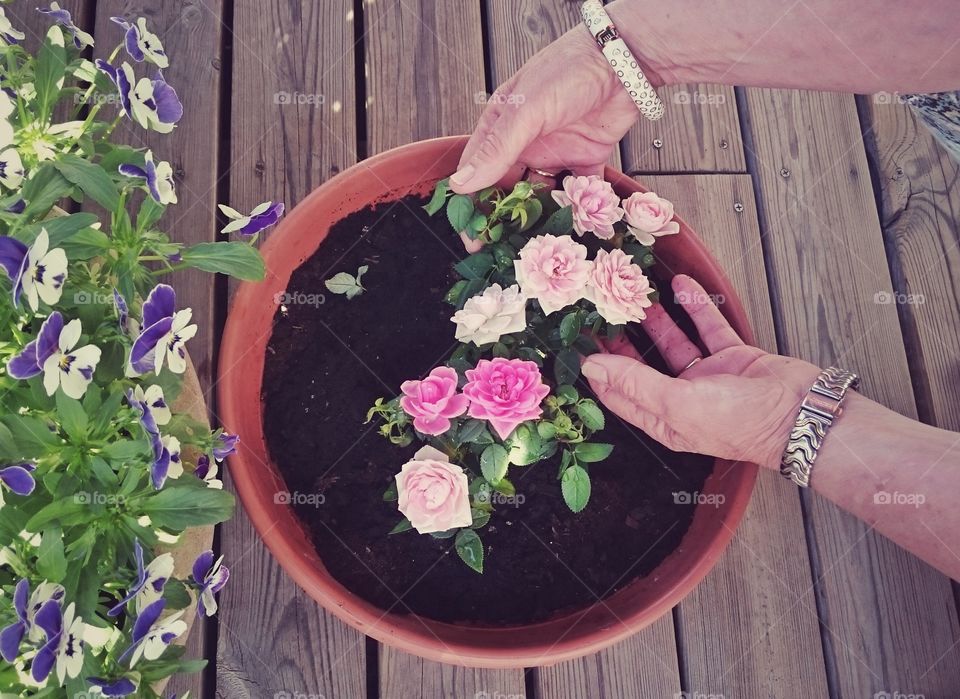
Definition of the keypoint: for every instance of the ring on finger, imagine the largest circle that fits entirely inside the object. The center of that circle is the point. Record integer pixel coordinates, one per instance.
(542, 173)
(691, 364)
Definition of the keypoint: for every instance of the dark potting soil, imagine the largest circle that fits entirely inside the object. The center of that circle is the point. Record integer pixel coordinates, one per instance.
(327, 363)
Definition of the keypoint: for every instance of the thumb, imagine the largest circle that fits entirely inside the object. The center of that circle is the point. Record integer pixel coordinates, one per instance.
(631, 389)
(500, 146)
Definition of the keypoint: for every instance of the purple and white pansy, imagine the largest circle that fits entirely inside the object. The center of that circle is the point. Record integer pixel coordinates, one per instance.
(157, 176)
(262, 217)
(35, 271)
(30, 360)
(153, 396)
(12, 636)
(120, 687)
(141, 43)
(164, 334)
(11, 168)
(63, 647)
(148, 587)
(81, 39)
(151, 636)
(18, 478)
(209, 577)
(224, 445)
(206, 471)
(7, 32)
(152, 103)
(54, 354)
(160, 468)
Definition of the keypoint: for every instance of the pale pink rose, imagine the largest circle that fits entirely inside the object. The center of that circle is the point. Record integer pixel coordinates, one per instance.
(619, 288)
(505, 392)
(594, 203)
(432, 492)
(487, 316)
(432, 402)
(553, 269)
(649, 216)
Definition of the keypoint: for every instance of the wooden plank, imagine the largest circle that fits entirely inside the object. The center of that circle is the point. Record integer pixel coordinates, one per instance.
(24, 16)
(517, 30)
(424, 71)
(742, 631)
(888, 621)
(293, 124)
(920, 215)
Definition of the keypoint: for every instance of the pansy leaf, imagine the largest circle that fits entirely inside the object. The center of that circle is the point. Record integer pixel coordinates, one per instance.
(85, 243)
(92, 179)
(51, 562)
(559, 223)
(575, 485)
(45, 188)
(73, 418)
(234, 258)
(48, 75)
(470, 549)
(176, 595)
(438, 198)
(459, 211)
(493, 463)
(591, 415)
(178, 508)
(592, 452)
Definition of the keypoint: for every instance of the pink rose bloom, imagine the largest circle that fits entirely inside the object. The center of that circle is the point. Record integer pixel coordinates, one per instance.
(505, 392)
(619, 288)
(649, 216)
(432, 402)
(432, 492)
(553, 269)
(594, 203)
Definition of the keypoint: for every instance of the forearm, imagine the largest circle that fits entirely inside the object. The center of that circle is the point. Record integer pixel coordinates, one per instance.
(841, 45)
(898, 475)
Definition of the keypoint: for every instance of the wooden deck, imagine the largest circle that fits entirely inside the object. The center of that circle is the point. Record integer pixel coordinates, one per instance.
(820, 207)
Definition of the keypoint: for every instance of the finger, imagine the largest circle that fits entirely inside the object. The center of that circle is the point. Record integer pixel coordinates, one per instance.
(713, 328)
(631, 389)
(469, 244)
(621, 345)
(537, 178)
(499, 149)
(674, 346)
(588, 170)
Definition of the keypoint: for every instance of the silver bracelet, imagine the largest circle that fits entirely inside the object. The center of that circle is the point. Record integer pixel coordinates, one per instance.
(605, 33)
(820, 407)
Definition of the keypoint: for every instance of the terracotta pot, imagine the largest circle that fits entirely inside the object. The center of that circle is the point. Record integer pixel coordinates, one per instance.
(415, 169)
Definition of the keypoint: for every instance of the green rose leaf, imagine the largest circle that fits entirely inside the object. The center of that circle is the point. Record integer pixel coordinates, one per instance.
(575, 485)
(470, 549)
(402, 526)
(525, 445)
(459, 211)
(234, 258)
(566, 366)
(592, 452)
(570, 328)
(591, 414)
(567, 394)
(493, 463)
(480, 518)
(476, 266)
(532, 209)
(560, 222)
(439, 196)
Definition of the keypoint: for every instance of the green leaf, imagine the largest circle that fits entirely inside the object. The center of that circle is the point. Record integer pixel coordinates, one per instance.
(480, 518)
(73, 418)
(58, 510)
(533, 209)
(92, 179)
(439, 196)
(126, 449)
(470, 549)
(493, 463)
(471, 431)
(344, 283)
(525, 445)
(150, 213)
(51, 562)
(560, 222)
(459, 211)
(390, 494)
(546, 430)
(566, 367)
(181, 507)
(402, 526)
(575, 485)
(453, 296)
(61, 227)
(592, 452)
(45, 188)
(590, 414)
(505, 487)
(496, 232)
(234, 258)
(31, 435)
(570, 328)
(567, 394)
(50, 69)
(84, 244)
(475, 266)
(176, 595)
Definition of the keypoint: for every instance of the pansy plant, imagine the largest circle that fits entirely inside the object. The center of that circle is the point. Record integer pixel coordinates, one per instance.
(559, 272)
(97, 467)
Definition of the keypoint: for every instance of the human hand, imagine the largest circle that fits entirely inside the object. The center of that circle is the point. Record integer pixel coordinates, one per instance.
(738, 403)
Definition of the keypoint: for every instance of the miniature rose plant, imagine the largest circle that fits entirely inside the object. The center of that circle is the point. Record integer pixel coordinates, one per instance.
(98, 470)
(560, 272)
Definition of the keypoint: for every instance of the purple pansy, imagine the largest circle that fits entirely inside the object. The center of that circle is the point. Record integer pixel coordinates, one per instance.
(155, 104)
(17, 207)
(262, 217)
(225, 445)
(209, 577)
(161, 457)
(148, 587)
(163, 336)
(63, 645)
(11, 169)
(123, 79)
(121, 687)
(36, 271)
(30, 360)
(141, 43)
(81, 39)
(18, 478)
(7, 32)
(12, 635)
(152, 636)
(206, 471)
(158, 178)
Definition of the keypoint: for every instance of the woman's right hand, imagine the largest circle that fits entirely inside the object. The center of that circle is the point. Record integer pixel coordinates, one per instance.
(738, 403)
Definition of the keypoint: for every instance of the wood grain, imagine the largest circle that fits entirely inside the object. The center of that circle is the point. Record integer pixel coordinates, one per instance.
(403, 676)
(293, 124)
(888, 621)
(750, 628)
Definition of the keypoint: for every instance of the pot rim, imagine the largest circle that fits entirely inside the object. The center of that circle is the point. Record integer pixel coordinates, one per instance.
(257, 479)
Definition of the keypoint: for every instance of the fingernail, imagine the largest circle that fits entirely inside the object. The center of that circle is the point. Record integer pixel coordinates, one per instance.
(463, 175)
(594, 372)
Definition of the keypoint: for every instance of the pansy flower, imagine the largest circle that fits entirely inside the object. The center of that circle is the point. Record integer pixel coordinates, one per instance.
(81, 39)
(206, 471)
(36, 271)
(148, 587)
(64, 643)
(7, 32)
(153, 396)
(158, 178)
(30, 360)
(17, 478)
(209, 576)
(69, 367)
(141, 43)
(123, 79)
(172, 446)
(12, 635)
(225, 445)
(161, 456)
(155, 104)
(152, 636)
(120, 687)
(11, 168)
(262, 217)
(164, 334)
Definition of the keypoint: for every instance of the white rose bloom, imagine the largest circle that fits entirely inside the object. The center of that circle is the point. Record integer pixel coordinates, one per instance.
(488, 316)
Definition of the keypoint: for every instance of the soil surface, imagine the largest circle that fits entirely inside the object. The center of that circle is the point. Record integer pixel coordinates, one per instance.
(327, 363)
